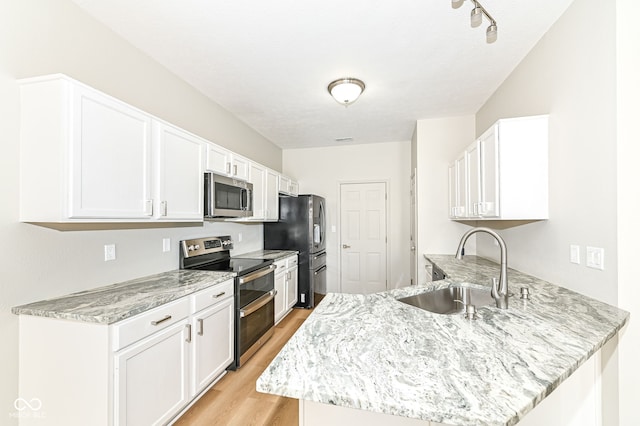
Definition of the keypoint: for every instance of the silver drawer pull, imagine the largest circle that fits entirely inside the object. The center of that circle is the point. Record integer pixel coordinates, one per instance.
(166, 318)
(188, 339)
(215, 296)
(200, 326)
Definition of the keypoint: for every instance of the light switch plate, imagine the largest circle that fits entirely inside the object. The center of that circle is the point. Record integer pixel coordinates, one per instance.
(575, 254)
(109, 252)
(166, 244)
(595, 257)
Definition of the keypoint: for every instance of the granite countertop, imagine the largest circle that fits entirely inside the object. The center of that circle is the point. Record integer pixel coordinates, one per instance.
(112, 303)
(274, 255)
(374, 353)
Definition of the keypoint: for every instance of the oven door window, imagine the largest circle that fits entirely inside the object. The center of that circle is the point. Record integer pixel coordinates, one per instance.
(255, 289)
(253, 326)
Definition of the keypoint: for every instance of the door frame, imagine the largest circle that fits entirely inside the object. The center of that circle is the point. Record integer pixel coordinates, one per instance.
(386, 224)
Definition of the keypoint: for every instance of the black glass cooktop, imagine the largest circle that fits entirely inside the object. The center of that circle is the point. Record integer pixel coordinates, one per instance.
(239, 266)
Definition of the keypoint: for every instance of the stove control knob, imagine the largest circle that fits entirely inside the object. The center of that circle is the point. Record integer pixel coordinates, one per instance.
(197, 247)
(190, 248)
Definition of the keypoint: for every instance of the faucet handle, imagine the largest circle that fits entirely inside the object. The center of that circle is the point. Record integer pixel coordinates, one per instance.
(495, 293)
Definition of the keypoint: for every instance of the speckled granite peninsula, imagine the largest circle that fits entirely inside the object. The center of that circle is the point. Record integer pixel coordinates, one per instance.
(112, 303)
(374, 353)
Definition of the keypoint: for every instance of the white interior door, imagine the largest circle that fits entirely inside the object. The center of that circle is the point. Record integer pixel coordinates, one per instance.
(363, 237)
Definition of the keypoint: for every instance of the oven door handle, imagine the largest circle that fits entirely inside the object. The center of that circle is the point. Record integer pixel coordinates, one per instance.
(257, 274)
(257, 304)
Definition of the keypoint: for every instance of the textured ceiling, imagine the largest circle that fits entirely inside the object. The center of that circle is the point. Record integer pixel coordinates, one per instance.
(269, 62)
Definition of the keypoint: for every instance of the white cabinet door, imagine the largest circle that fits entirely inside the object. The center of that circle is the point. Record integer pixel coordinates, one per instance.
(280, 285)
(271, 197)
(258, 177)
(218, 160)
(239, 167)
(458, 190)
(152, 376)
(226, 163)
(474, 169)
(292, 287)
(110, 158)
(179, 171)
(213, 343)
(489, 205)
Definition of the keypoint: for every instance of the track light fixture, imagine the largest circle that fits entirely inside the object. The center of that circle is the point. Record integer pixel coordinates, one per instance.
(476, 18)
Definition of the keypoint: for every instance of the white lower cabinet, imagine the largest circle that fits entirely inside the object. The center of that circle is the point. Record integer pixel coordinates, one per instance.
(152, 376)
(212, 344)
(144, 370)
(286, 286)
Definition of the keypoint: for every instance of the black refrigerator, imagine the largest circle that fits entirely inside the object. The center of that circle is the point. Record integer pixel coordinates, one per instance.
(301, 227)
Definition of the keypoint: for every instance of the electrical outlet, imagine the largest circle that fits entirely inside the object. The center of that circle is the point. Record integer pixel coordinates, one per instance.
(166, 244)
(575, 254)
(239, 236)
(595, 257)
(109, 252)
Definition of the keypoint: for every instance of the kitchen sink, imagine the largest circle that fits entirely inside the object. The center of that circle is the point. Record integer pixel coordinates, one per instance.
(450, 300)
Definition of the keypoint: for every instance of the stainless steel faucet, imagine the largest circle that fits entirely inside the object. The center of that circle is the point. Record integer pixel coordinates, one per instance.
(500, 289)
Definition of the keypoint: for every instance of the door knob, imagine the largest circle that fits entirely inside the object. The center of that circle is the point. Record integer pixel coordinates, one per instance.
(345, 246)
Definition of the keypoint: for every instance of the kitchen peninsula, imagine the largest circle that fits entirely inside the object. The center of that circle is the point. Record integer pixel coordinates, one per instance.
(406, 366)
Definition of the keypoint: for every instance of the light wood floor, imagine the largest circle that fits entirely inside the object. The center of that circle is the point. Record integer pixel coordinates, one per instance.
(234, 399)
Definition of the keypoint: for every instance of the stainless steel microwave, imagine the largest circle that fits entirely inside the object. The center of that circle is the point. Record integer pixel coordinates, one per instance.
(226, 197)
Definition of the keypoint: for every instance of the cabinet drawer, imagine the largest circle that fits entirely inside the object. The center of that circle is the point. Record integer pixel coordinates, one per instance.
(292, 261)
(212, 295)
(281, 265)
(147, 323)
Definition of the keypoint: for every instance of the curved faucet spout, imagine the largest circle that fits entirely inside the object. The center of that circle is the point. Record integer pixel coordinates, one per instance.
(500, 294)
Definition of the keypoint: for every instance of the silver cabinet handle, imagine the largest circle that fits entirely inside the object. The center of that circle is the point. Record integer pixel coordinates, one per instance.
(163, 208)
(228, 168)
(235, 170)
(215, 296)
(188, 339)
(200, 326)
(345, 246)
(166, 318)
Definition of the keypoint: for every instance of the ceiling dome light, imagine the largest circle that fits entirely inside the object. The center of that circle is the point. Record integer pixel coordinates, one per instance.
(346, 90)
(492, 33)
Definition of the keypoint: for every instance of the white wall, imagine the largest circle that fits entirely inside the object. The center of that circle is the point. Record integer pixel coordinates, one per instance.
(41, 37)
(437, 143)
(628, 109)
(320, 171)
(571, 75)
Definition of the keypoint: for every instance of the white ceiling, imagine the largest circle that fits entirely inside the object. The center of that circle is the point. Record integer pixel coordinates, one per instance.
(269, 62)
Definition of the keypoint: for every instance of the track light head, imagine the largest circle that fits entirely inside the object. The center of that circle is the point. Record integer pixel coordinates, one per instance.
(456, 4)
(492, 33)
(476, 16)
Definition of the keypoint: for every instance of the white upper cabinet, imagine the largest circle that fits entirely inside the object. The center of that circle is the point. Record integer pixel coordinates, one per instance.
(87, 157)
(179, 173)
(504, 174)
(224, 162)
(288, 186)
(272, 197)
(265, 193)
(458, 187)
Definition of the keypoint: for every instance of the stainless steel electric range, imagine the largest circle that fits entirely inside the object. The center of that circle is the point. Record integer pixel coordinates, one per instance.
(254, 290)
